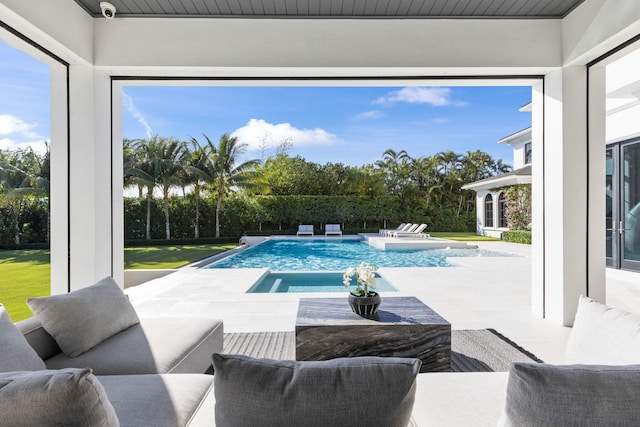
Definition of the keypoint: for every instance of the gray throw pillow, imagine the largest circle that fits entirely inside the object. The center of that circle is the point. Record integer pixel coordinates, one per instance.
(82, 319)
(572, 395)
(15, 352)
(68, 397)
(602, 335)
(349, 392)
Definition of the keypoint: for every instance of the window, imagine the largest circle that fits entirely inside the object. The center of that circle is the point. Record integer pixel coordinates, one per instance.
(488, 211)
(502, 210)
(527, 153)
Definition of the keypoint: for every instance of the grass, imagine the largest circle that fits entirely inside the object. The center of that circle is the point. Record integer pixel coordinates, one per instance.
(26, 273)
(23, 274)
(463, 236)
(169, 256)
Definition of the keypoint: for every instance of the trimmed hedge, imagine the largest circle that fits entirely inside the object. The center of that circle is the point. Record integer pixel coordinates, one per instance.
(517, 236)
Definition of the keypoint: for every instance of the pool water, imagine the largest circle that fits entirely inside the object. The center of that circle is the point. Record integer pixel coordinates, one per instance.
(311, 282)
(338, 255)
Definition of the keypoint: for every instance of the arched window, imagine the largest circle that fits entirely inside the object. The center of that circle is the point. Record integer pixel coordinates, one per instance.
(488, 210)
(502, 210)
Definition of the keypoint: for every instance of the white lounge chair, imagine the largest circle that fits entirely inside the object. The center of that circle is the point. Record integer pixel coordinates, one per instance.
(417, 232)
(305, 230)
(332, 229)
(384, 231)
(407, 227)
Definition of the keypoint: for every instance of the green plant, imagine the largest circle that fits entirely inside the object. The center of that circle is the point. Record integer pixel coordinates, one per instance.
(518, 206)
(517, 236)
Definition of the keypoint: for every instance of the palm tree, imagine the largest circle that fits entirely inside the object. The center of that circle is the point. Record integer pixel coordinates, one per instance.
(200, 172)
(226, 172)
(23, 173)
(159, 165)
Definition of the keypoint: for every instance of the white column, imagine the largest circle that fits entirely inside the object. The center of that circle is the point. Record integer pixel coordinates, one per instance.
(597, 184)
(537, 199)
(564, 194)
(58, 195)
(91, 224)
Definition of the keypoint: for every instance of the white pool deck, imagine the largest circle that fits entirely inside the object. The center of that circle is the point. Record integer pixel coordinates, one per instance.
(479, 292)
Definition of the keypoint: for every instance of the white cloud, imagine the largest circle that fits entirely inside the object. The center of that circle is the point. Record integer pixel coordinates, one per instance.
(11, 125)
(128, 104)
(11, 144)
(19, 134)
(368, 115)
(436, 96)
(259, 134)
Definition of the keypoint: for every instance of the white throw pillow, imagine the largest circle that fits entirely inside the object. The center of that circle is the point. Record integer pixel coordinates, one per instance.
(603, 335)
(82, 319)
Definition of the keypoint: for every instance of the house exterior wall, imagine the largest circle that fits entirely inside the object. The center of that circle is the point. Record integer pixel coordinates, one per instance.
(481, 223)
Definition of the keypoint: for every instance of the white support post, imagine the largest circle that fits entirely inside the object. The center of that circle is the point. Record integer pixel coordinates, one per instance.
(564, 193)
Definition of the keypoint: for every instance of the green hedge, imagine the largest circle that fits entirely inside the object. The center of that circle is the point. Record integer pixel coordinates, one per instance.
(517, 236)
(261, 215)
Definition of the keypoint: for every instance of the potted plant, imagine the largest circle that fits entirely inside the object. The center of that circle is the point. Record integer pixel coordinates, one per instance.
(362, 299)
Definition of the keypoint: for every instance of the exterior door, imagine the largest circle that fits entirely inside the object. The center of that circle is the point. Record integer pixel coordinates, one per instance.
(623, 205)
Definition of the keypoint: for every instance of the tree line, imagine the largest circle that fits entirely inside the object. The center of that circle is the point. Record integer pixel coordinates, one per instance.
(190, 182)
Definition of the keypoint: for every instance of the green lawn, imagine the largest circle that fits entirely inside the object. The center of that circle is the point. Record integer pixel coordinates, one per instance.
(463, 236)
(169, 256)
(25, 274)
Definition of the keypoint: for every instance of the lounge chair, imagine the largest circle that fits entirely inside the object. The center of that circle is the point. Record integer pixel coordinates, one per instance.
(409, 228)
(384, 231)
(416, 232)
(305, 230)
(332, 229)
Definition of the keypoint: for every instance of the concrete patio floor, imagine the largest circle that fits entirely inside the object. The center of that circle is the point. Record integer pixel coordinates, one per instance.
(479, 292)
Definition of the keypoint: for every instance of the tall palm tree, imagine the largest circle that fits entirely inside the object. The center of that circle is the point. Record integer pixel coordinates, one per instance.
(160, 166)
(200, 172)
(227, 173)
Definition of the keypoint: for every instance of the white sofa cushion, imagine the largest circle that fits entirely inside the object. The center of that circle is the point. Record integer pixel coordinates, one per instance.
(15, 352)
(603, 335)
(344, 392)
(69, 397)
(82, 319)
(572, 395)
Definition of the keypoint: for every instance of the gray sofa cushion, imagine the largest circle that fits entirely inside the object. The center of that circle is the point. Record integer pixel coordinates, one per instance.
(15, 352)
(160, 400)
(603, 335)
(156, 345)
(69, 397)
(350, 392)
(82, 319)
(572, 395)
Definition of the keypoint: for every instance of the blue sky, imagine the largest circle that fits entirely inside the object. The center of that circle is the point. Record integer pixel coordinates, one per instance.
(352, 125)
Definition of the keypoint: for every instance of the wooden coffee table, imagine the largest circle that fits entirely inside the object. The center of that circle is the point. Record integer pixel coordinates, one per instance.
(326, 328)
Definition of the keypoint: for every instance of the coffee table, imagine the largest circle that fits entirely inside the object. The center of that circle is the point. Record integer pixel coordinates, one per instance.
(326, 328)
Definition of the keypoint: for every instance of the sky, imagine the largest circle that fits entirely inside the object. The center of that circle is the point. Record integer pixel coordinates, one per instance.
(349, 125)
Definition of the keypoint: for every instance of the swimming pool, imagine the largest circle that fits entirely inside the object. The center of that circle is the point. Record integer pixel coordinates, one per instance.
(338, 255)
(310, 282)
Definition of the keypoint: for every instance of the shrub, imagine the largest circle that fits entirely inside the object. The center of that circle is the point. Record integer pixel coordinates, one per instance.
(517, 236)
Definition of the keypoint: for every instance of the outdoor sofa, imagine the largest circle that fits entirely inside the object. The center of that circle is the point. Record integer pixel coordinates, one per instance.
(86, 359)
(305, 230)
(598, 385)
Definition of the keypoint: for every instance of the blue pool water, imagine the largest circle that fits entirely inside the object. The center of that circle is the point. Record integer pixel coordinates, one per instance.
(338, 255)
(311, 282)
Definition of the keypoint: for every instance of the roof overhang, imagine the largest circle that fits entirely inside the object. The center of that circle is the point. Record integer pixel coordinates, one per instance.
(497, 182)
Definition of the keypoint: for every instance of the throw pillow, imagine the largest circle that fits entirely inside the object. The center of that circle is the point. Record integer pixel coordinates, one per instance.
(69, 397)
(572, 395)
(82, 319)
(15, 352)
(349, 392)
(603, 335)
